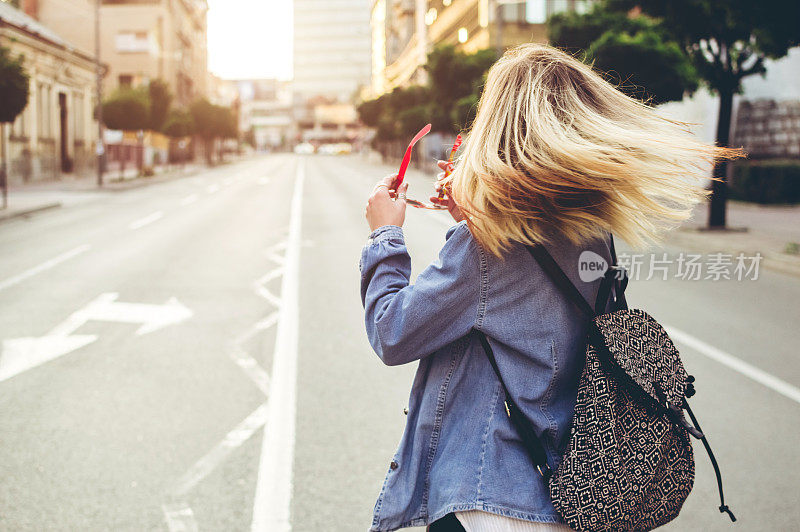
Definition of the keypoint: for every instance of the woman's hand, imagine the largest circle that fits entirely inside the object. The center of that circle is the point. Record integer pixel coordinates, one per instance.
(385, 206)
(448, 202)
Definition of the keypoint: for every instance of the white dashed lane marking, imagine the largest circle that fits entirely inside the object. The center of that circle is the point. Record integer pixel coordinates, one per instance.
(147, 220)
(46, 265)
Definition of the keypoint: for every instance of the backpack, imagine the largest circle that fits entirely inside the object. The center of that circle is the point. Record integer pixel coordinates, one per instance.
(629, 463)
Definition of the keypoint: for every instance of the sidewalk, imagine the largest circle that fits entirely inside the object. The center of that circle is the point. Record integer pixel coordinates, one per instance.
(31, 198)
(773, 231)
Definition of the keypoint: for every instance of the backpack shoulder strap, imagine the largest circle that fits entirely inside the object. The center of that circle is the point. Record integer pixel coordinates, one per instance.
(557, 275)
(533, 446)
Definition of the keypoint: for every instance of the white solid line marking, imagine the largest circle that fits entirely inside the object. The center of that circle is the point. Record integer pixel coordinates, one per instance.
(188, 200)
(147, 220)
(272, 502)
(749, 371)
(212, 188)
(46, 265)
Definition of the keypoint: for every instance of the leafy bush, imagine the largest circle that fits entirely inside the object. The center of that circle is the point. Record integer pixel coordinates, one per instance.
(766, 181)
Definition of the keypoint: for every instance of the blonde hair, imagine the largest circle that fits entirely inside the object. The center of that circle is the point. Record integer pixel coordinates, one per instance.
(555, 148)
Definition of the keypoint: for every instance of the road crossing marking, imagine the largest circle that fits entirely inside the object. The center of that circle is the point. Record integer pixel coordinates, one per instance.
(188, 200)
(762, 377)
(178, 514)
(147, 220)
(46, 265)
(272, 502)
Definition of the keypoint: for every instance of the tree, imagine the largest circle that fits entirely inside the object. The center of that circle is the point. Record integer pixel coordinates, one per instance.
(725, 42)
(13, 100)
(212, 122)
(202, 112)
(633, 52)
(447, 101)
(160, 100)
(453, 75)
(177, 126)
(128, 109)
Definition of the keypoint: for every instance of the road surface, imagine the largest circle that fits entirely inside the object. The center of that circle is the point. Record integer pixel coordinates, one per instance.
(190, 355)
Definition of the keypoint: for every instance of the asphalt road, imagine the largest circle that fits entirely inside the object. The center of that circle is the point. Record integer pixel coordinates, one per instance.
(191, 355)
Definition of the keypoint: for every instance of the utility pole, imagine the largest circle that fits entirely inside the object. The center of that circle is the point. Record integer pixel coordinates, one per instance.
(101, 149)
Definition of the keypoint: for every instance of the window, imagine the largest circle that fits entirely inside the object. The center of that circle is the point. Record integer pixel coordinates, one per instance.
(133, 42)
(125, 80)
(536, 11)
(513, 12)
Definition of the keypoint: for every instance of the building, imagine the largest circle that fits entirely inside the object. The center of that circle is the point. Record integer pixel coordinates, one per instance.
(56, 133)
(399, 43)
(331, 48)
(266, 112)
(148, 39)
(470, 25)
(140, 39)
(332, 63)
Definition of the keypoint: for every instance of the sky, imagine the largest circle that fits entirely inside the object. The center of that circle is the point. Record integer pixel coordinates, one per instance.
(250, 38)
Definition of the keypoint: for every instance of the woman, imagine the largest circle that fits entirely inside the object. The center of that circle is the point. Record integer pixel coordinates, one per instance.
(558, 157)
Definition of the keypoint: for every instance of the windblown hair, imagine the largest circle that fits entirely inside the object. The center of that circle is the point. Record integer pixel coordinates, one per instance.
(556, 149)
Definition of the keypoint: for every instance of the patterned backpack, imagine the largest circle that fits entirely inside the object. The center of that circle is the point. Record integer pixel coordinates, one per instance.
(629, 463)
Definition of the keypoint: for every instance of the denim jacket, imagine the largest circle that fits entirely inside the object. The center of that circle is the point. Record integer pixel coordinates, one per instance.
(459, 450)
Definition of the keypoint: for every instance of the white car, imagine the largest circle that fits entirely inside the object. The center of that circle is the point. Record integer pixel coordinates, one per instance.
(304, 149)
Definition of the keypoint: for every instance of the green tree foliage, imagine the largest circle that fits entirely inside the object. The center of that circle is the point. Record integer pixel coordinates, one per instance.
(212, 122)
(454, 75)
(725, 41)
(635, 53)
(13, 86)
(447, 101)
(160, 101)
(127, 109)
(178, 124)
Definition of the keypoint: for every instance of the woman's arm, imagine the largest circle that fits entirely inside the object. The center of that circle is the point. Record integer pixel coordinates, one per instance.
(407, 322)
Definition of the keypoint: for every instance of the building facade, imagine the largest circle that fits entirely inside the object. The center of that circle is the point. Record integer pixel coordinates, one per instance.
(332, 63)
(56, 133)
(266, 112)
(144, 40)
(470, 25)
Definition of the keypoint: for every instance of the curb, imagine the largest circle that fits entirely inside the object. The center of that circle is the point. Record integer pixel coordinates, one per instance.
(772, 260)
(5, 216)
(139, 182)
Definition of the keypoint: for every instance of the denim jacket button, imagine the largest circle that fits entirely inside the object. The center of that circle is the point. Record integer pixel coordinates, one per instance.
(393, 465)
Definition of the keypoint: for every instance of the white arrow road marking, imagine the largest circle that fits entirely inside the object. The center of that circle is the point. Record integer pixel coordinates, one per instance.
(272, 503)
(188, 200)
(152, 317)
(147, 220)
(22, 354)
(55, 261)
(749, 371)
